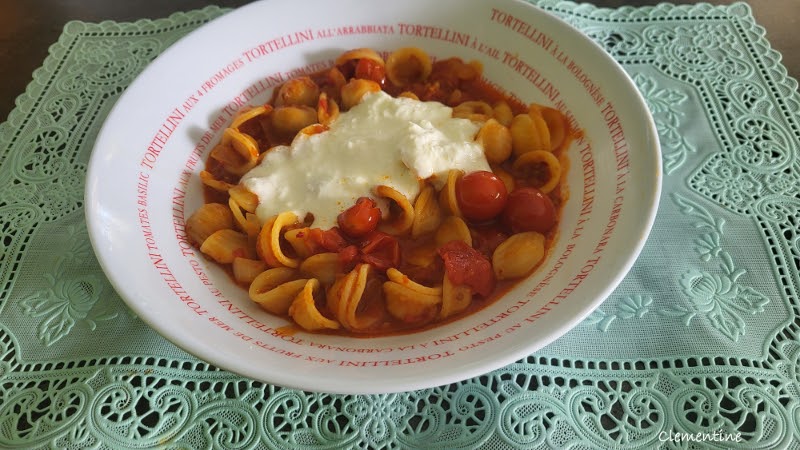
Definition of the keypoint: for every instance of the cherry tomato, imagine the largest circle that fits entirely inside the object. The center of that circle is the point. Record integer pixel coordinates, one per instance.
(528, 209)
(481, 195)
(361, 218)
(370, 70)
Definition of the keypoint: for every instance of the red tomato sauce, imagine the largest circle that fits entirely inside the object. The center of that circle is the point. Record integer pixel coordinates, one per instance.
(464, 264)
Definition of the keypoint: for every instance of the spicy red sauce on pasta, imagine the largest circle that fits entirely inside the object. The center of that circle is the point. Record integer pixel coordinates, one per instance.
(392, 262)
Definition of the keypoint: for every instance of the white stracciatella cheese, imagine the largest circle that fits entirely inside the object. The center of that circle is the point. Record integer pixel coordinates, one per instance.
(381, 141)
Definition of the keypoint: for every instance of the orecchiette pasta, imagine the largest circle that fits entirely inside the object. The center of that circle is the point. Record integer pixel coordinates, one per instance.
(427, 213)
(250, 113)
(245, 270)
(447, 196)
(453, 228)
(474, 110)
(275, 289)
(540, 167)
(237, 152)
(290, 119)
(407, 66)
(304, 309)
(496, 141)
(269, 246)
(394, 262)
(207, 220)
(298, 92)
(223, 246)
(355, 89)
(353, 300)
(518, 254)
(401, 217)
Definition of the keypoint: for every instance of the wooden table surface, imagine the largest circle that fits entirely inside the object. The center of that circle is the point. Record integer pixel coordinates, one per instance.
(28, 28)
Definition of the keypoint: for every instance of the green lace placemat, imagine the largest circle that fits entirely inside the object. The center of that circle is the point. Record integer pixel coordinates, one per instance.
(697, 348)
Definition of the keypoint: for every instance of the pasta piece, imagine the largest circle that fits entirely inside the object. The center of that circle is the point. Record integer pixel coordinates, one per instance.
(208, 219)
(269, 241)
(327, 109)
(288, 120)
(225, 245)
(245, 149)
(298, 239)
(408, 94)
(355, 299)
(518, 255)
(411, 302)
(245, 114)
(300, 91)
(331, 82)
(247, 222)
(457, 97)
(208, 179)
(471, 70)
(400, 278)
(401, 213)
(529, 133)
(322, 266)
(459, 69)
(427, 212)
(407, 66)
(447, 196)
(275, 289)
(453, 229)
(337, 294)
(505, 177)
(314, 128)
(495, 138)
(304, 309)
(502, 113)
(355, 89)
(246, 270)
(422, 255)
(246, 200)
(556, 125)
(541, 167)
(359, 53)
(475, 110)
(226, 155)
(455, 298)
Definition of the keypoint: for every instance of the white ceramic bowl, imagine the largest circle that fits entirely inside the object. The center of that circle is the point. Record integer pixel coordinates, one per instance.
(144, 173)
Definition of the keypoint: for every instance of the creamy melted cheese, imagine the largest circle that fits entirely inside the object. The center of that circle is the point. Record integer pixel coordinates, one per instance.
(381, 141)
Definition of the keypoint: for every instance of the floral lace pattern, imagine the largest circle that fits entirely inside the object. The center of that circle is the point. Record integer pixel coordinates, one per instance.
(700, 337)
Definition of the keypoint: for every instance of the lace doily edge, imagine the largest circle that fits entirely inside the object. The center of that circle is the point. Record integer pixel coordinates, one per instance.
(26, 101)
(662, 10)
(740, 11)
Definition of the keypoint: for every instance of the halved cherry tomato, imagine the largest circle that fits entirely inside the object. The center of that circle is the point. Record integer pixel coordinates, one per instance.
(481, 195)
(465, 265)
(349, 257)
(361, 218)
(380, 250)
(528, 209)
(326, 240)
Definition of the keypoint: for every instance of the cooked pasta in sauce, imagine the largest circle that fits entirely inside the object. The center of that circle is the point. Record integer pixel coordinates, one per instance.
(383, 195)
